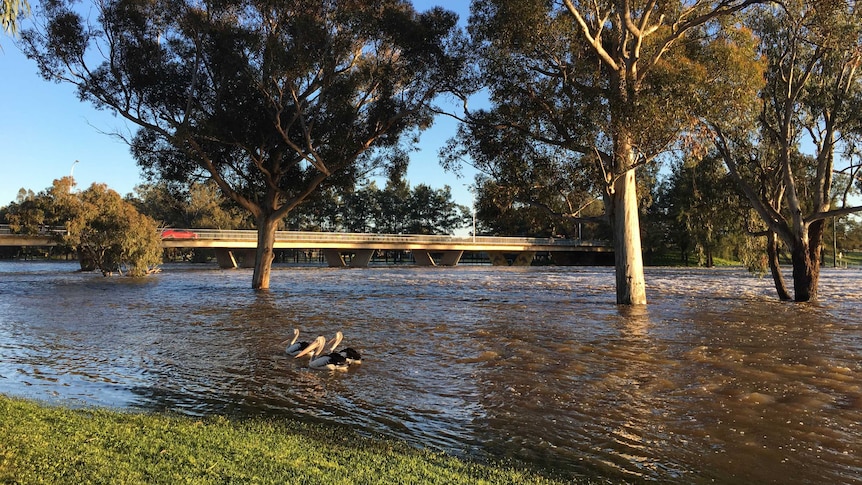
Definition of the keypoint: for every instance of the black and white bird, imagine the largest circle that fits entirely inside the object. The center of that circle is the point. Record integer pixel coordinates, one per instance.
(350, 354)
(294, 347)
(319, 360)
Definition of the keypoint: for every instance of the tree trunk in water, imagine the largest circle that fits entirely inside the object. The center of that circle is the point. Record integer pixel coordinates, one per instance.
(265, 252)
(631, 286)
(775, 268)
(806, 263)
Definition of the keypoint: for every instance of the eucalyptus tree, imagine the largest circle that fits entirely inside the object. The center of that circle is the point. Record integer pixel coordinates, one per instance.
(272, 100)
(111, 233)
(606, 85)
(105, 229)
(812, 97)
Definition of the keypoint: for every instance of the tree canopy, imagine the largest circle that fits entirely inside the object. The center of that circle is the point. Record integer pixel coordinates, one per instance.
(600, 88)
(271, 100)
(812, 97)
(395, 209)
(106, 230)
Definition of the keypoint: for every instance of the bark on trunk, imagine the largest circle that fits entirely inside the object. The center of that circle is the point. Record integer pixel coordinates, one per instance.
(775, 268)
(265, 253)
(631, 286)
(806, 263)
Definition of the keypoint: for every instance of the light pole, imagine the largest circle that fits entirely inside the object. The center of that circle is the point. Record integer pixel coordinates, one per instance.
(474, 221)
(72, 170)
(472, 206)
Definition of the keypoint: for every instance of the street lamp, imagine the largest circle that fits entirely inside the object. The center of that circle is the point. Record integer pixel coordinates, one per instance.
(474, 221)
(72, 170)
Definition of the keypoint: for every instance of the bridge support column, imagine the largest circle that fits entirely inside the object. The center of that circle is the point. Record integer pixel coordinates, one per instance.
(225, 258)
(334, 259)
(521, 258)
(247, 257)
(451, 258)
(423, 257)
(359, 258)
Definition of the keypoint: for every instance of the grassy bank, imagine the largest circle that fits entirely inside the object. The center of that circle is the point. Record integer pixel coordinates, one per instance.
(45, 444)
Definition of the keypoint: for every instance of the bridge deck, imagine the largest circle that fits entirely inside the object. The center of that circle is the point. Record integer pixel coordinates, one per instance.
(239, 239)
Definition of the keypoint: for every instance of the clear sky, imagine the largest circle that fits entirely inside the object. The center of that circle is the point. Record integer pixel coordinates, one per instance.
(45, 128)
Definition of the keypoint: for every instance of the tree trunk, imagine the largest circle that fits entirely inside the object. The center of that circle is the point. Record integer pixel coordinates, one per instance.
(631, 285)
(266, 227)
(775, 268)
(806, 263)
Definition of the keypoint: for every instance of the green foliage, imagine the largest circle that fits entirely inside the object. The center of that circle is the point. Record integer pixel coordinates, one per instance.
(701, 209)
(41, 444)
(786, 163)
(107, 230)
(113, 234)
(583, 94)
(397, 209)
(196, 205)
(271, 102)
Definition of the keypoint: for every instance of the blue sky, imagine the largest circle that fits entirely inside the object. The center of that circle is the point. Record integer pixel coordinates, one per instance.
(45, 129)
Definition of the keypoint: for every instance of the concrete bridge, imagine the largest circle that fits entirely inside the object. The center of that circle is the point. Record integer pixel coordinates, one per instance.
(235, 248)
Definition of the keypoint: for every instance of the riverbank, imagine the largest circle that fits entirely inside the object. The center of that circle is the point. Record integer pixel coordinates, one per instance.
(46, 444)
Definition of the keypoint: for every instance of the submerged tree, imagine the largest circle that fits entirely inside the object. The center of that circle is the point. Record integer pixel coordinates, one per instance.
(106, 230)
(813, 95)
(605, 86)
(271, 100)
(111, 233)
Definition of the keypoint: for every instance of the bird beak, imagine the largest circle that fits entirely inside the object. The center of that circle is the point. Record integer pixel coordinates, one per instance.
(333, 344)
(311, 347)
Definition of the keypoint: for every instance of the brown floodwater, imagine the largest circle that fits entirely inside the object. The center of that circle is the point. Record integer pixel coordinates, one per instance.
(715, 381)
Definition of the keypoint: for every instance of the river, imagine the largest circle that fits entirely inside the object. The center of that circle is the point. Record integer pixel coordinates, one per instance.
(715, 381)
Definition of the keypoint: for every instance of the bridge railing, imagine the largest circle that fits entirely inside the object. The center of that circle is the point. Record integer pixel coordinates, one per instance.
(296, 236)
(346, 237)
(43, 230)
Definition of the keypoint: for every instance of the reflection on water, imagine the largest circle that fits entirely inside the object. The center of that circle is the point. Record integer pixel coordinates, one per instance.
(714, 381)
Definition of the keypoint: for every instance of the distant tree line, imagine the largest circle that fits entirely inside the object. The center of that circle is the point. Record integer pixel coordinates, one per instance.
(395, 209)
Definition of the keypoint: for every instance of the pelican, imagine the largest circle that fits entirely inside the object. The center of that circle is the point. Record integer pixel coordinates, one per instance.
(294, 347)
(318, 361)
(350, 355)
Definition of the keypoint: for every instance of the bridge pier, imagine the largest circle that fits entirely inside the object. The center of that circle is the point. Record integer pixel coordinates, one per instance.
(424, 257)
(359, 258)
(247, 257)
(225, 258)
(501, 258)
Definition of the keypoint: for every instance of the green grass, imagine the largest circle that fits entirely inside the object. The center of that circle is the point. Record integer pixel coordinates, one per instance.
(46, 444)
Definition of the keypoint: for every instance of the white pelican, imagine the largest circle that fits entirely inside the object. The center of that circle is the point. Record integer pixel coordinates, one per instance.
(294, 347)
(331, 361)
(350, 355)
